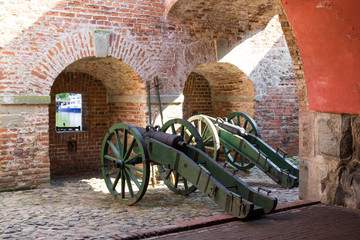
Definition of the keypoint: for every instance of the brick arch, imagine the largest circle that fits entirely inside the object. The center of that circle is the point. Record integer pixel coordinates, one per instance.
(117, 76)
(95, 122)
(78, 46)
(218, 89)
(196, 54)
(178, 12)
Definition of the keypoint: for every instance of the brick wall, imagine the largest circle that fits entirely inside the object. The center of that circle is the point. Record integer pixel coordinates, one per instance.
(24, 147)
(95, 119)
(197, 96)
(218, 89)
(129, 112)
(39, 39)
(277, 117)
(265, 58)
(222, 89)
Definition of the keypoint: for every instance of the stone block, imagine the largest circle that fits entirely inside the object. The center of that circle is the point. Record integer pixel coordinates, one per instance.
(306, 134)
(328, 134)
(102, 42)
(346, 141)
(11, 121)
(312, 173)
(355, 125)
(304, 177)
(221, 48)
(328, 129)
(348, 189)
(334, 135)
(20, 100)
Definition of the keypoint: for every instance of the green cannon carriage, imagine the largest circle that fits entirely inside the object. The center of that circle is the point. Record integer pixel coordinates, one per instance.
(239, 136)
(186, 154)
(180, 150)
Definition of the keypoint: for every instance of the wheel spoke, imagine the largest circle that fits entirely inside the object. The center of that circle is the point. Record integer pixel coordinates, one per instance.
(204, 133)
(112, 146)
(111, 171)
(133, 167)
(128, 151)
(176, 179)
(132, 176)
(207, 139)
(226, 150)
(117, 178)
(245, 124)
(230, 158)
(168, 174)
(188, 132)
(199, 126)
(242, 162)
(108, 157)
(123, 184)
(236, 155)
(173, 129)
(132, 158)
(189, 140)
(124, 147)
(210, 148)
(182, 131)
(238, 121)
(185, 183)
(118, 141)
(129, 184)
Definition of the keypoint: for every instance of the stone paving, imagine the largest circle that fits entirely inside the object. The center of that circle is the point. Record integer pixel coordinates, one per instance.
(80, 207)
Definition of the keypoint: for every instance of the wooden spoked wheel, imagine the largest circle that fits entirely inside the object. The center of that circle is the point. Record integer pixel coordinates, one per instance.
(208, 134)
(172, 179)
(125, 163)
(245, 121)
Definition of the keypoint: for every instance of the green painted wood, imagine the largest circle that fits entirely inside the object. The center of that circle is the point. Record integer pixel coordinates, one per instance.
(125, 163)
(225, 189)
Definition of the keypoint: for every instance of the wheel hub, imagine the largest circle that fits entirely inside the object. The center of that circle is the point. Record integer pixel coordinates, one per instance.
(120, 164)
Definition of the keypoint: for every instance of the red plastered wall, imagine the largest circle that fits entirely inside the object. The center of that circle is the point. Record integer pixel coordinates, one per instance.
(328, 36)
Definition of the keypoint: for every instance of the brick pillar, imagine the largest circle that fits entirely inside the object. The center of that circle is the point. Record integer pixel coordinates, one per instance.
(24, 140)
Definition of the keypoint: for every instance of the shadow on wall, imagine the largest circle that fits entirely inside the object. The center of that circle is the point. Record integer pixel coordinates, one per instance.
(266, 59)
(276, 106)
(268, 93)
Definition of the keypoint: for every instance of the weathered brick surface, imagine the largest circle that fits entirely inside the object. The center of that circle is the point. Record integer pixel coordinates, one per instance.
(24, 150)
(95, 122)
(40, 40)
(218, 89)
(197, 96)
(264, 90)
(133, 113)
(277, 117)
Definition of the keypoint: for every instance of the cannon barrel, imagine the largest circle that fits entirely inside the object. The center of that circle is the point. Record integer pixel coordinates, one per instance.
(171, 140)
(228, 126)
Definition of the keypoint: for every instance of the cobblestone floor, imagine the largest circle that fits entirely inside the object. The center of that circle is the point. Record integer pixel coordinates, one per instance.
(80, 207)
